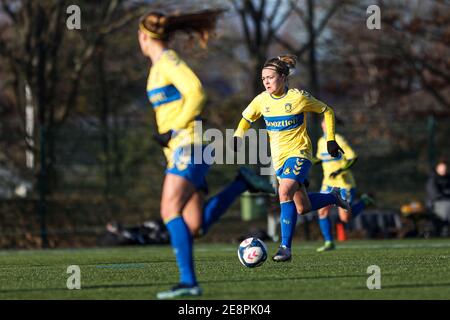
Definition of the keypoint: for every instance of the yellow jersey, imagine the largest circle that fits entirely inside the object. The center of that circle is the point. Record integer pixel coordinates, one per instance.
(177, 97)
(285, 119)
(329, 164)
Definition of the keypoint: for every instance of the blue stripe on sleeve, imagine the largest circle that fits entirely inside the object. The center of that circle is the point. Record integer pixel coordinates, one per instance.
(163, 95)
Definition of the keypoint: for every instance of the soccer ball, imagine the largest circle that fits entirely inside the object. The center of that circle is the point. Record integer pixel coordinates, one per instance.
(252, 252)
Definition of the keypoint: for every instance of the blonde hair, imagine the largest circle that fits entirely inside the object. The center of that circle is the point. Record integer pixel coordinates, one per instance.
(283, 64)
(160, 26)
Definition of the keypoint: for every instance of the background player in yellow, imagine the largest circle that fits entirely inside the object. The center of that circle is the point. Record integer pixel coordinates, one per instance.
(337, 174)
(284, 111)
(177, 97)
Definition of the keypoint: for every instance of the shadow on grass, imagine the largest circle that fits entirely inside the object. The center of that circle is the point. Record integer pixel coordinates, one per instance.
(144, 285)
(107, 286)
(410, 285)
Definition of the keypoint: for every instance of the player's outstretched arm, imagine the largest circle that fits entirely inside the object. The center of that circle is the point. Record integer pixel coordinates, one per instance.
(347, 166)
(332, 146)
(243, 126)
(311, 104)
(350, 155)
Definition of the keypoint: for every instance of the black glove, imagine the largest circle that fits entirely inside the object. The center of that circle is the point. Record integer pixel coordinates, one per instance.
(333, 148)
(163, 138)
(236, 144)
(334, 174)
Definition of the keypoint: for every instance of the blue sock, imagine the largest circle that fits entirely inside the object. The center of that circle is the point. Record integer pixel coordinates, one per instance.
(319, 200)
(325, 228)
(288, 221)
(181, 240)
(357, 208)
(218, 205)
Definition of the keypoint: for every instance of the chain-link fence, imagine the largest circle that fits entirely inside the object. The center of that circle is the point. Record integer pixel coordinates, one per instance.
(100, 176)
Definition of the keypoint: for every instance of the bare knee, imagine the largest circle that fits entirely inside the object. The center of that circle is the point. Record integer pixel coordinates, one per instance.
(194, 227)
(323, 212)
(172, 205)
(303, 208)
(176, 192)
(344, 216)
(302, 202)
(285, 193)
(167, 211)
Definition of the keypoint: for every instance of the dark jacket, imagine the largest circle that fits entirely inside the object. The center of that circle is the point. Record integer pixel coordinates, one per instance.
(438, 188)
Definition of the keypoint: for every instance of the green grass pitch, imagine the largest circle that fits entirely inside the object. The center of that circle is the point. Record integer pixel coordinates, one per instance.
(410, 269)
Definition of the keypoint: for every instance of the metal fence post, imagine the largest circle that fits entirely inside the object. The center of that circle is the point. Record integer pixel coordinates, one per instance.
(42, 205)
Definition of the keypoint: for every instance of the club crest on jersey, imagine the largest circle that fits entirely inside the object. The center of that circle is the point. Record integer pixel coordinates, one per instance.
(267, 109)
(288, 107)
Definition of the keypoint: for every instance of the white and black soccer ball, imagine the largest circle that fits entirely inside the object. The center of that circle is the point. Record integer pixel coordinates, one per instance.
(252, 252)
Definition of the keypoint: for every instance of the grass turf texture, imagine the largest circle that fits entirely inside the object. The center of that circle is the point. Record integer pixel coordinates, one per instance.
(410, 269)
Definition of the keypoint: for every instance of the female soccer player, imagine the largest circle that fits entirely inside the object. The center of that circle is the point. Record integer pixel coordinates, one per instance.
(284, 111)
(177, 97)
(337, 174)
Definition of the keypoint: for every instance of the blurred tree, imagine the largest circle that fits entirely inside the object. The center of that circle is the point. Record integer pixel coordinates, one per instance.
(409, 54)
(51, 59)
(315, 16)
(266, 24)
(44, 55)
(314, 28)
(260, 20)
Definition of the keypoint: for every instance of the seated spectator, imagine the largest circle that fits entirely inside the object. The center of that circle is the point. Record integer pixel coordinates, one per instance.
(438, 194)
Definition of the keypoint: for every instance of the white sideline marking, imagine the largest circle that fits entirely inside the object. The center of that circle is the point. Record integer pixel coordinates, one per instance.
(201, 248)
(397, 245)
(352, 246)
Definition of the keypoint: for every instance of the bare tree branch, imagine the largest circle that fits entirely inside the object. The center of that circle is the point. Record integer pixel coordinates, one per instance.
(274, 13)
(419, 71)
(434, 70)
(283, 19)
(88, 52)
(299, 12)
(6, 8)
(317, 31)
(328, 16)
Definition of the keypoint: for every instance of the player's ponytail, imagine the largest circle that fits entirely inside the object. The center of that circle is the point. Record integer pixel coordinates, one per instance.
(283, 64)
(290, 60)
(160, 26)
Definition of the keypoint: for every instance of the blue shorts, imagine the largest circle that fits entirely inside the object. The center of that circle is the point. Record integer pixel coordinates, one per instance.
(184, 166)
(346, 194)
(294, 168)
